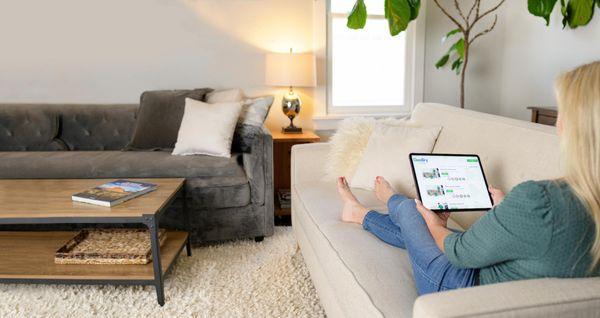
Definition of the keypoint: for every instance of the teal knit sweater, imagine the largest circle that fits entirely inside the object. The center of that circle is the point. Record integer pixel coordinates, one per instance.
(540, 229)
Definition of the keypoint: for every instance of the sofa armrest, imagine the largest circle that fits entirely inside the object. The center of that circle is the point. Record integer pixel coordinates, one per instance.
(258, 165)
(548, 297)
(308, 162)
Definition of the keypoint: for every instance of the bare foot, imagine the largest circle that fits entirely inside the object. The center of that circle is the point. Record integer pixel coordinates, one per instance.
(353, 211)
(383, 189)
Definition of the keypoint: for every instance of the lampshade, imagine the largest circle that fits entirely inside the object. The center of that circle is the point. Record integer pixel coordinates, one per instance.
(290, 69)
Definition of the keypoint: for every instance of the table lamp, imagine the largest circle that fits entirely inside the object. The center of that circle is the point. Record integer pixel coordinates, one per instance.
(290, 69)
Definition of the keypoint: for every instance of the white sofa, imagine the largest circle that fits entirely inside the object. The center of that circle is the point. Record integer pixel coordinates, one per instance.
(356, 275)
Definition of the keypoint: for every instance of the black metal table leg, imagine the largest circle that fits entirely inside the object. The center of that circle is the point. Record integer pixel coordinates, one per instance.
(188, 225)
(152, 224)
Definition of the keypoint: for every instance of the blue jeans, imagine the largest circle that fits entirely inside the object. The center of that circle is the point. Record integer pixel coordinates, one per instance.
(405, 228)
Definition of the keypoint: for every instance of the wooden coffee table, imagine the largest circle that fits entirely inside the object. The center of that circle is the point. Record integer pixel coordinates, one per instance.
(28, 257)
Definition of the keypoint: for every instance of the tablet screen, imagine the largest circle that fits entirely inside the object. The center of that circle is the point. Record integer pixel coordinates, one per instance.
(450, 182)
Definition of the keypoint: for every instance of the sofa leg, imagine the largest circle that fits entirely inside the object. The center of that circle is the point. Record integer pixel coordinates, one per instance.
(259, 238)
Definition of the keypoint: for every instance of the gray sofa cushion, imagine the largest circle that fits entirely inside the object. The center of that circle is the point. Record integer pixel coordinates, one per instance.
(96, 127)
(211, 182)
(114, 164)
(27, 128)
(159, 117)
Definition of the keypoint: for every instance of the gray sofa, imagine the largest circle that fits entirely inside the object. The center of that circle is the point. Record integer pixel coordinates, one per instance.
(228, 198)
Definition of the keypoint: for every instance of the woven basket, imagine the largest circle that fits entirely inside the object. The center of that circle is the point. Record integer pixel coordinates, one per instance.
(109, 246)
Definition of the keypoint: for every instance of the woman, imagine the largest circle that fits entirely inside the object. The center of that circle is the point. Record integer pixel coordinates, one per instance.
(540, 229)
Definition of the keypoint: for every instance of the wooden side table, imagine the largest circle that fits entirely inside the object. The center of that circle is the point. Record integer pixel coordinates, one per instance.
(543, 115)
(282, 155)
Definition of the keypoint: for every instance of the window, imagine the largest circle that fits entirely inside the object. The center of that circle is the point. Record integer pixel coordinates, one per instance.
(369, 71)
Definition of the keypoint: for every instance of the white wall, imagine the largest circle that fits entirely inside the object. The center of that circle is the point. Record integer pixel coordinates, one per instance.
(112, 50)
(512, 67)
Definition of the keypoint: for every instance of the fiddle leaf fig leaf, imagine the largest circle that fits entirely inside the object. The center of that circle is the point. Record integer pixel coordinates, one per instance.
(358, 16)
(453, 32)
(415, 5)
(541, 8)
(579, 12)
(442, 61)
(563, 11)
(398, 13)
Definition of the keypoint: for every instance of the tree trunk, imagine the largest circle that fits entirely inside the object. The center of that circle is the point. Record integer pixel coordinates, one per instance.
(463, 72)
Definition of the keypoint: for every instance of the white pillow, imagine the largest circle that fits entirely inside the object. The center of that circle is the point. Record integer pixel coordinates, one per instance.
(387, 153)
(207, 129)
(225, 96)
(348, 143)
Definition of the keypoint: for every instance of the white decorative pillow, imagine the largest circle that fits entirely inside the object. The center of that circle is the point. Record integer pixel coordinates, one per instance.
(255, 110)
(387, 153)
(225, 96)
(207, 129)
(348, 143)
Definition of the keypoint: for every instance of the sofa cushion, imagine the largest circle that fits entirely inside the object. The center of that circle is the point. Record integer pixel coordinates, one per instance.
(382, 273)
(28, 128)
(381, 282)
(96, 127)
(211, 181)
(159, 117)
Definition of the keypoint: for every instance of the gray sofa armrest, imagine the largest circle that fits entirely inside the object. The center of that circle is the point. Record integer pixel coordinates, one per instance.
(258, 164)
(548, 297)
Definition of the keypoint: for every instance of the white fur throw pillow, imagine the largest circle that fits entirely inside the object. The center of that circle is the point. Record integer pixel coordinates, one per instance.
(207, 129)
(387, 153)
(348, 143)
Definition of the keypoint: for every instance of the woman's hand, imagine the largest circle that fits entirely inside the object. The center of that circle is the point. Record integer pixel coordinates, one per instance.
(497, 195)
(436, 223)
(432, 218)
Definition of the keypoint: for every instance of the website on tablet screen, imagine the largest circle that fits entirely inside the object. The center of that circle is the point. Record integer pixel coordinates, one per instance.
(451, 182)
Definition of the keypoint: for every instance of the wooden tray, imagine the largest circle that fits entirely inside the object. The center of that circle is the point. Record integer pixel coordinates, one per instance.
(108, 246)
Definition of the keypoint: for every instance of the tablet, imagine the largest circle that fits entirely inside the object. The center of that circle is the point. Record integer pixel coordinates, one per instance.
(450, 182)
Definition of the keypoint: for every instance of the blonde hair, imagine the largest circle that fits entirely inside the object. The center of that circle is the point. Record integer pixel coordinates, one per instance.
(578, 95)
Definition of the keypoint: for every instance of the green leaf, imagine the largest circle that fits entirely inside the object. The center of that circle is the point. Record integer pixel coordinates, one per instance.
(598, 3)
(415, 5)
(456, 65)
(453, 32)
(398, 13)
(541, 8)
(442, 61)
(460, 47)
(579, 12)
(563, 11)
(358, 17)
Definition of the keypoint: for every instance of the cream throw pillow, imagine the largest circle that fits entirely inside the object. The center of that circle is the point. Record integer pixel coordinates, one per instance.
(348, 143)
(207, 129)
(387, 153)
(225, 96)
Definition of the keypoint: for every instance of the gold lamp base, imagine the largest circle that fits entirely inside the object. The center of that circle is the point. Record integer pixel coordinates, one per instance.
(291, 130)
(291, 105)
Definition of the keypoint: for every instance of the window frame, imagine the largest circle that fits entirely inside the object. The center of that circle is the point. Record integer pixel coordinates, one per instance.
(414, 68)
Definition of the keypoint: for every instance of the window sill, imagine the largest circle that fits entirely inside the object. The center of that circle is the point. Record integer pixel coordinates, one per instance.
(332, 121)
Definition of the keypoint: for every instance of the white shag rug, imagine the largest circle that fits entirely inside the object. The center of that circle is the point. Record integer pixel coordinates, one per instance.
(235, 279)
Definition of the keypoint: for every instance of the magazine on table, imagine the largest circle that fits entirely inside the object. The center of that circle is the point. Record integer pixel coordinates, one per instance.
(114, 193)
